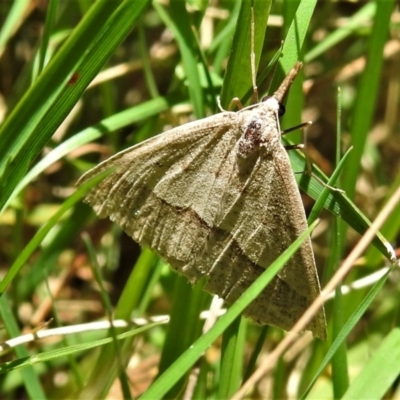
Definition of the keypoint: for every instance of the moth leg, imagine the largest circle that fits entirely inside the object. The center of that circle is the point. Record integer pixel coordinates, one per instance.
(219, 104)
(295, 128)
(295, 147)
(335, 189)
(235, 102)
(300, 146)
(308, 162)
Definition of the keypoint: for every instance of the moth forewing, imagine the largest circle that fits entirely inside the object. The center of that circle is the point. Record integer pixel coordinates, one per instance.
(217, 198)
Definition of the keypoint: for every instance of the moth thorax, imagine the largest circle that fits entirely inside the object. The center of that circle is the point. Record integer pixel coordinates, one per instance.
(257, 133)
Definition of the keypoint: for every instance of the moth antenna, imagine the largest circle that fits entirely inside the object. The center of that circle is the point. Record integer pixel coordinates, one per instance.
(303, 147)
(253, 58)
(285, 85)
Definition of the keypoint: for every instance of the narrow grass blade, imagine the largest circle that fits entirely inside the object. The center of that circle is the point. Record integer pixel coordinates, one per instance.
(360, 17)
(319, 204)
(380, 373)
(237, 79)
(179, 23)
(29, 376)
(232, 358)
(184, 324)
(12, 20)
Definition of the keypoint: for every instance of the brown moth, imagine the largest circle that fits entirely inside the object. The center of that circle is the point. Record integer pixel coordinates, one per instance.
(217, 197)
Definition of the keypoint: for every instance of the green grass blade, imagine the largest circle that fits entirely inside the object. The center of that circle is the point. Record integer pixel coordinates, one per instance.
(46, 262)
(104, 371)
(107, 304)
(29, 376)
(294, 40)
(184, 324)
(340, 370)
(319, 204)
(179, 23)
(48, 28)
(232, 351)
(237, 79)
(12, 20)
(364, 15)
(256, 352)
(380, 373)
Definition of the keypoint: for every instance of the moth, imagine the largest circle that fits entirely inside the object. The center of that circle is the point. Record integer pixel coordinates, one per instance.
(217, 197)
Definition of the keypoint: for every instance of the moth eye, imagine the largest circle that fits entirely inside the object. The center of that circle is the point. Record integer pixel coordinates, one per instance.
(281, 110)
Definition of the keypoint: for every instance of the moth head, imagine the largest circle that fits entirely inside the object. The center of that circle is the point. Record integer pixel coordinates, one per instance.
(281, 110)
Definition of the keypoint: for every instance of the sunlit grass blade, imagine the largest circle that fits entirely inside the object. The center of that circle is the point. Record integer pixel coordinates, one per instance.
(11, 21)
(30, 379)
(360, 17)
(179, 24)
(380, 373)
(294, 40)
(231, 366)
(237, 79)
(319, 204)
